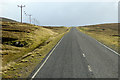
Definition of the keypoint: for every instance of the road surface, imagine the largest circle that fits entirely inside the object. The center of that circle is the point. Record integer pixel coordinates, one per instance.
(78, 56)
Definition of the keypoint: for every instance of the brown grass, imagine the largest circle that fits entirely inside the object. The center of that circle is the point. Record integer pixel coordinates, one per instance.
(20, 61)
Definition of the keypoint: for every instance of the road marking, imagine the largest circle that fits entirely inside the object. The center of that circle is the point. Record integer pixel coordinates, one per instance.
(108, 48)
(89, 68)
(105, 46)
(46, 59)
(84, 55)
(102, 44)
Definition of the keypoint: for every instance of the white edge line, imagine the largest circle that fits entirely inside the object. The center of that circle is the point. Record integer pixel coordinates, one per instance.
(46, 59)
(103, 45)
(108, 48)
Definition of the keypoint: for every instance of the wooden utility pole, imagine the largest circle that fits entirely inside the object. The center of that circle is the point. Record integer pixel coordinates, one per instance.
(30, 18)
(21, 6)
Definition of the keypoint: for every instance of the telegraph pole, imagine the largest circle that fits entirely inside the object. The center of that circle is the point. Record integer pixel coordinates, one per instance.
(34, 20)
(21, 6)
(30, 18)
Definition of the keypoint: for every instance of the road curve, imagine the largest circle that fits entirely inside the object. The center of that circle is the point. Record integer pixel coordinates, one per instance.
(79, 56)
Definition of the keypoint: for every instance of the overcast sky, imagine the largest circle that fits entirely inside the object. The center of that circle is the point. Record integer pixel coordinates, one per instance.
(65, 13)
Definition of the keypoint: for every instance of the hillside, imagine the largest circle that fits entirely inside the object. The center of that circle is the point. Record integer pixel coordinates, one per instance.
(6, 20)
(105, 33)
(25, 45)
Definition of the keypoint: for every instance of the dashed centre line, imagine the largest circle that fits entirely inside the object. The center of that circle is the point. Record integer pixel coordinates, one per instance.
(84, 55)
(89, 68)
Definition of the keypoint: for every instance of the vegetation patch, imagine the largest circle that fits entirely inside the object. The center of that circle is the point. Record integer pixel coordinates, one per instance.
(25, 45)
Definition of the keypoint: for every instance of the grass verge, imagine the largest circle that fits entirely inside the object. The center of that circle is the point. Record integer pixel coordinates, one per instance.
(37, 41)
(25, 66)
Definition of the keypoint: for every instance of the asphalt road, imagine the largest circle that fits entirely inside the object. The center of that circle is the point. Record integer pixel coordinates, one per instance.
(79, 56)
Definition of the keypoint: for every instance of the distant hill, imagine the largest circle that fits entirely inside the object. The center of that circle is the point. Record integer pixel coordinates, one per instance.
(6, 20)
(113, 26)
